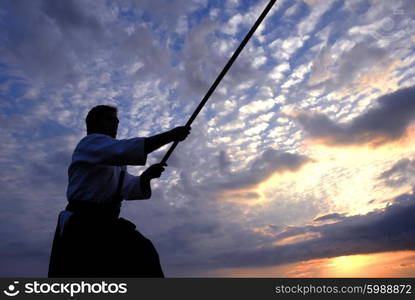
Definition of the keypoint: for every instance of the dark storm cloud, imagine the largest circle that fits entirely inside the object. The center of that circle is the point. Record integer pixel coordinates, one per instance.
(399, 167)
(293, 231)
(330, 217)
(387, 121)
(269, 162)
(399, 174)
(390, 229)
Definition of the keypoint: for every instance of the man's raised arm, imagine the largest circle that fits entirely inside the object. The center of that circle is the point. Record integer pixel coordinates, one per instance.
(156, 141)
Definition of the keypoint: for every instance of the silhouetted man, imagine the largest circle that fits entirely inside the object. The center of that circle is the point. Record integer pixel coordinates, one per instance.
(90, 239)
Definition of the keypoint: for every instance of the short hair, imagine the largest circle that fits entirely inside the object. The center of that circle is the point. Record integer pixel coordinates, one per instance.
(95, 114)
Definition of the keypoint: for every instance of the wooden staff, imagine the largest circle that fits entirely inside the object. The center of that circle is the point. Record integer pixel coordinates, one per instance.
(221, 75)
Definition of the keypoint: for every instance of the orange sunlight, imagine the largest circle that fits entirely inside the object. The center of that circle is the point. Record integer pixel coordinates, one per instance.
(383, 264)
(347, 176)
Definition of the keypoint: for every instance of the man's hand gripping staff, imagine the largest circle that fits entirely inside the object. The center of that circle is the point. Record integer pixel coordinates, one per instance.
(177, 134)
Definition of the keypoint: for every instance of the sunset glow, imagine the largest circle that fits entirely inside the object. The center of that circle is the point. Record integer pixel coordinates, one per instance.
(301, 164)
(385, 264)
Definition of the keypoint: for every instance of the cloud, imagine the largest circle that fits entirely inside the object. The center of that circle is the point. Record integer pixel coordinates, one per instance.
(255, 107)
(150, 58)
(310, 23)
(390, 229)
(59, 59)
(17, 253)
(223, 160)
(347, 64)
(200, 65)
(70, 18)
(269, 162)
(320, 68)
(399, 174)
(387, 121)
(49, 39)
(64, 42)
(330, 217)
(166, 13)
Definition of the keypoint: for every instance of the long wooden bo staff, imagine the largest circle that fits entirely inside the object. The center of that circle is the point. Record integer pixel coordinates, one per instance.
(221, 75)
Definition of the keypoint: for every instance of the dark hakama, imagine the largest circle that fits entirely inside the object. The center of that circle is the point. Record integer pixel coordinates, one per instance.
(95, 244)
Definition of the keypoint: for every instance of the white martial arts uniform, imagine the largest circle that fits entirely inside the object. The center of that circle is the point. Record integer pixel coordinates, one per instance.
(103, 247)
(96, 165)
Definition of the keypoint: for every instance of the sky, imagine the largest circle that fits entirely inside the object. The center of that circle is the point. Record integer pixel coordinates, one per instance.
(301, 164)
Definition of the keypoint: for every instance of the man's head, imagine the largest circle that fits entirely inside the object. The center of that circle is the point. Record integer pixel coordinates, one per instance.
(102, 119)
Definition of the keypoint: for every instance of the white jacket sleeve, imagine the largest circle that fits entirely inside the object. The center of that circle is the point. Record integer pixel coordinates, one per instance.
(132, 188)
(105, 150)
